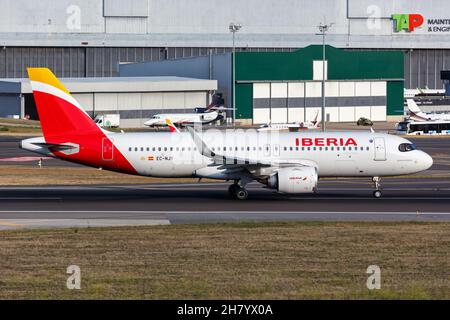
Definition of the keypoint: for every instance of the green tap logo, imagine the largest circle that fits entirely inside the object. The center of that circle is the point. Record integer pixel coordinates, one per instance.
(407, 21)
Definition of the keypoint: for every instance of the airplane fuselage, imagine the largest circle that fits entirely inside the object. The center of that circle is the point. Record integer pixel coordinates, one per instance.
(183, 118)
(163, 154)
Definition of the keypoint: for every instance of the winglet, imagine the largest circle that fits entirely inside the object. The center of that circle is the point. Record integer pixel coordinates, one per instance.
(200, 144)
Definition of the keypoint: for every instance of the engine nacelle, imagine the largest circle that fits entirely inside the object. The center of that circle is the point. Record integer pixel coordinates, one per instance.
(294, 180)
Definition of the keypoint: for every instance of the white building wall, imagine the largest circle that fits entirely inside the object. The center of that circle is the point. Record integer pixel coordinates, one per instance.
(204, 23)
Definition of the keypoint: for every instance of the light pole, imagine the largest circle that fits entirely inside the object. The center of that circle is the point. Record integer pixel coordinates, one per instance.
(323, 28)
(234, 27)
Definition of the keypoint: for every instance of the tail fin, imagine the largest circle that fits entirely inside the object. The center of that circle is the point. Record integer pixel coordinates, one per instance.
(59, 113)
(171, 126)
(315, 121)
(412, 106)
(414, 111)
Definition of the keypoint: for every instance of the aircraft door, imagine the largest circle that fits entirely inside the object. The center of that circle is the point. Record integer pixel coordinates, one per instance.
(380, 149)
(107, 149)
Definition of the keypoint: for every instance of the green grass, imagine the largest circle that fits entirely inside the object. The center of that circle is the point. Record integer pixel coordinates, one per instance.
(230, 261)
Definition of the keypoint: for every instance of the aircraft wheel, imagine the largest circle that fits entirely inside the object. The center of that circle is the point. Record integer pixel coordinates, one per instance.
(377, 194)
(240, 193)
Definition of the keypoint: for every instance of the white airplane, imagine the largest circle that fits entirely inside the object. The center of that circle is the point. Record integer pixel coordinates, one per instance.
(211, 113)
(287, 162)
(184, 119)
(418, 115)
(291, 126)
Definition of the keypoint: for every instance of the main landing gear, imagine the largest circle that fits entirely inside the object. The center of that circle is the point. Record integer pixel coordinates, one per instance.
(377, 192)
(238, 192)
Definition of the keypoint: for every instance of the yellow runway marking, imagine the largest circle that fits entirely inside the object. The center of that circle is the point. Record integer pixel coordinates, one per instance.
(10, 224)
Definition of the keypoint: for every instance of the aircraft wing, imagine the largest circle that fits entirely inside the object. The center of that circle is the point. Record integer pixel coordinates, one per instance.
(249, 163)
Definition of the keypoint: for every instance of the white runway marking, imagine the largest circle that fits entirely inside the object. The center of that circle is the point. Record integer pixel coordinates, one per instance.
(30, 198)
(229, 212)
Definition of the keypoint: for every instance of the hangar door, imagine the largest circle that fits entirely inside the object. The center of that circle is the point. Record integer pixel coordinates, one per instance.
(278, 102)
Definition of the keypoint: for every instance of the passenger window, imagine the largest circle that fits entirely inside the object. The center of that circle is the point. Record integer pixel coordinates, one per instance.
(129, 149)
(367, 148)
(159, 148)
(285, 148)
(135, 149)
(320, 148)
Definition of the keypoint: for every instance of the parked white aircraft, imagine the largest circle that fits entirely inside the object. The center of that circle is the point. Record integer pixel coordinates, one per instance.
(211, 113)
(314, 124)
(284, 161)
(418, 115)
(183, 119)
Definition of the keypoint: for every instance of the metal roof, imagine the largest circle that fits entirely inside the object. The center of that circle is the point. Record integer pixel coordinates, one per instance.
(117, 84)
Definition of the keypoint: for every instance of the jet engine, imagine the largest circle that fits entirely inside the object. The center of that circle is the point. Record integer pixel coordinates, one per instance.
(294, 180)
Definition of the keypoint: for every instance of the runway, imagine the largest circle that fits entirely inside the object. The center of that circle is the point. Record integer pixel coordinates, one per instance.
(422, 198)
(337, 200)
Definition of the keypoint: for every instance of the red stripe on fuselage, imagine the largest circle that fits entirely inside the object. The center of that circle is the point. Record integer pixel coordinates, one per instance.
(62, 122)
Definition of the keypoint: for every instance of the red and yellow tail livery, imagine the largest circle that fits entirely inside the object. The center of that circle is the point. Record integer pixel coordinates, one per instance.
(69, 132)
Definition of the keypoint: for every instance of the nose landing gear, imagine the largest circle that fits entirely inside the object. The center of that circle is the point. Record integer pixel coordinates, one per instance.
(377, 193)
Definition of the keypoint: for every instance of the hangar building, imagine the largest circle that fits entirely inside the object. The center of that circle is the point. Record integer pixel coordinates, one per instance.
(135, 99)
(287, 86)
(91, 38)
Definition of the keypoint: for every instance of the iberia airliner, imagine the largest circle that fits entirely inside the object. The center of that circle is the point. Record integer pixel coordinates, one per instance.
(288, 162)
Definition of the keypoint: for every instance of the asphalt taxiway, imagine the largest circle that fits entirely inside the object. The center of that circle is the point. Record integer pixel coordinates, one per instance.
(425, 197)
(336, 200)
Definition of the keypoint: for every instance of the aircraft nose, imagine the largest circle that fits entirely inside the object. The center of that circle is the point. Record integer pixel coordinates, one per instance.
(426, 161)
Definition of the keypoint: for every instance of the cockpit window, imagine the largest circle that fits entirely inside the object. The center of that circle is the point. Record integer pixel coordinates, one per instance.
(405, 147)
